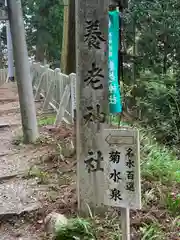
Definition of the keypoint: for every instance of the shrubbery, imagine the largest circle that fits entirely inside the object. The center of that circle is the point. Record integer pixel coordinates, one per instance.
(157, 105)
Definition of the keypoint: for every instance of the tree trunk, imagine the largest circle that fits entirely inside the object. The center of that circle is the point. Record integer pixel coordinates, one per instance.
(64, 50)
(68, 55)
(39, 54)
(40, 50)
(71, 55)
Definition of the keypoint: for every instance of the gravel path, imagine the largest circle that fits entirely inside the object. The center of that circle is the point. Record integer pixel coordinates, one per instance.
(17, 194)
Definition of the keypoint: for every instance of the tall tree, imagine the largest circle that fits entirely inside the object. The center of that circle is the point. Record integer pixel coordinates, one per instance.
(68, 59)
(157, 32)
(44, 24)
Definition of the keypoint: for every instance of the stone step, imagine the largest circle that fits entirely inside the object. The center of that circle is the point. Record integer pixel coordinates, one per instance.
(10, 119)
(6, 137)
(18, 231)
(11, 236)
(8, 92)
(5, 147)
(9, 107)
(8, 100)
(19, 196)
(19, 162)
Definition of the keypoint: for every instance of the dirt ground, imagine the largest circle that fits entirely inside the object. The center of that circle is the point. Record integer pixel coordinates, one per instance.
(34, 180)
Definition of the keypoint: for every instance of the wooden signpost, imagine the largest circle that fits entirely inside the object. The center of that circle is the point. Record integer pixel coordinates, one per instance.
(122, 172)
(92, 99)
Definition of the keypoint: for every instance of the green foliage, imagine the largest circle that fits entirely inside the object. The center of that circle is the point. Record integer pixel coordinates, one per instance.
(173, 203)
(35, 172)
(158, 104)
(48, 120)
(158, 162)
(157, 29)
(44, 27)
(151, 81)
(151, 232)
(75, 229)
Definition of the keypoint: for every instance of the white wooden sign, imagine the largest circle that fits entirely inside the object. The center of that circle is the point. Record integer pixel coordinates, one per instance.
(122, 168)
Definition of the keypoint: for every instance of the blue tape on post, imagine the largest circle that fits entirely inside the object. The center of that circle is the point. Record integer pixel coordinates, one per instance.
(115, 105)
